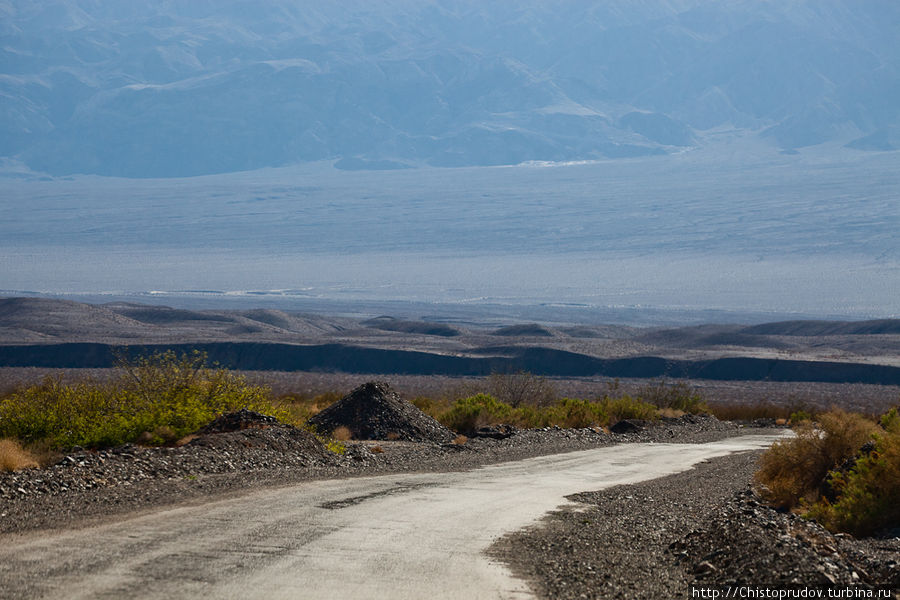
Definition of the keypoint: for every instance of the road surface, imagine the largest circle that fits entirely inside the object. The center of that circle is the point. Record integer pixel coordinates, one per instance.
(392, 536)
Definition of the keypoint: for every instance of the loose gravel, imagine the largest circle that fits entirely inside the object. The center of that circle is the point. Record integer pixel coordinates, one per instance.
(703, 530)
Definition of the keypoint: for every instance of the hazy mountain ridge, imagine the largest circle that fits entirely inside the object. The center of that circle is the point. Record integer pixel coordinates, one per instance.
(185, 88)
(39, 321)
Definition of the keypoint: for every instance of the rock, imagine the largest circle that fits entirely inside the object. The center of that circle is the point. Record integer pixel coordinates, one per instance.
(497, 432)
(629, 426)
(704, 567)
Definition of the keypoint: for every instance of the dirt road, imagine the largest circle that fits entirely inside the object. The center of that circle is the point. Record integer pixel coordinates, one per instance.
(395, 536)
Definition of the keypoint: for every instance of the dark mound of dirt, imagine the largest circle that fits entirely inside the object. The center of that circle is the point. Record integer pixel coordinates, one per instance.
(277, 444)
(527, 330)
(235, 421)
(629, 426)
(373, 411)
(244, 431)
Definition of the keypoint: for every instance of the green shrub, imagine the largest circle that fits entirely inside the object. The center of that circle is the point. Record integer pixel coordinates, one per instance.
(626, 407)
(566, 412)
(156, 399)
(468, 414)
(890, 421)
(799, 416)
(867, 495)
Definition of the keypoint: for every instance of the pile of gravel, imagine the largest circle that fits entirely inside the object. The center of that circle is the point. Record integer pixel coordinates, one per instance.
(373, 411)
(749, 543)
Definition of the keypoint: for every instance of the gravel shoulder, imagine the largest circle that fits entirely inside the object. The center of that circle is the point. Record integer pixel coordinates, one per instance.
(703, 528)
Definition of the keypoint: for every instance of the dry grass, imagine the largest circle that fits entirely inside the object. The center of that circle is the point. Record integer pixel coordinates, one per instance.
(14, 457)
(342, 434)
(670, 413)
(460, 440)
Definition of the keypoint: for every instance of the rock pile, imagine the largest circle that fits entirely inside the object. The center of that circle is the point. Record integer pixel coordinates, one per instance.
(373, 411)
(748, 543)
(297, 445)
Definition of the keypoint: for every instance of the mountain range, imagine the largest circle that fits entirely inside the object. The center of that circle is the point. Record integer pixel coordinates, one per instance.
(192, 87)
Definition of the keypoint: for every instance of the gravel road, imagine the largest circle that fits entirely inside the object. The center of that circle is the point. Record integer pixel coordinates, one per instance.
(392, 536)
(90, 486)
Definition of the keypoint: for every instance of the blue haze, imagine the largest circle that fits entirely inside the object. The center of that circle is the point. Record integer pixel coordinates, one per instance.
(679, 155)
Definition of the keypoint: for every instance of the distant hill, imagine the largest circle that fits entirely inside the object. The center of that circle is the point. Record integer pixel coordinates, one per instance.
(40, 318)
(47, 320)
(524, 330)
(419, 327)
(815, 328)
(186, 88)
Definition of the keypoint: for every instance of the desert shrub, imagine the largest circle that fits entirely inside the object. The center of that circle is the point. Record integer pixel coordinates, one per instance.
(798, 416)
(566, 412)
(162, 397)
(13, 457)
(468, 414)
(626, 407)
(792, 471)
(435, 406)
(521, 389)
(890, 421)
(571, 412)
(867, 493)
(675, 396)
